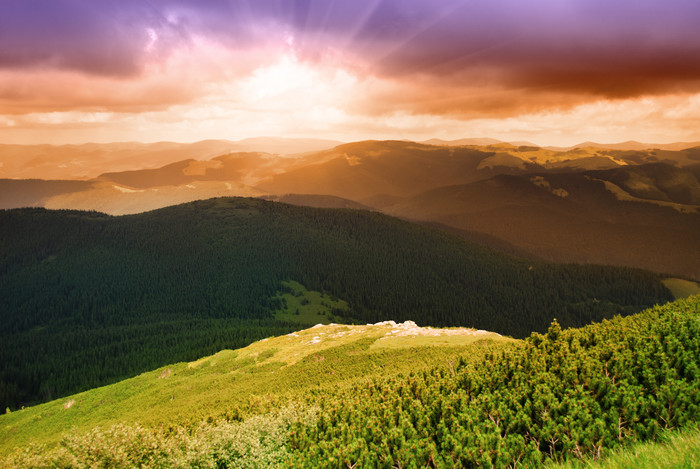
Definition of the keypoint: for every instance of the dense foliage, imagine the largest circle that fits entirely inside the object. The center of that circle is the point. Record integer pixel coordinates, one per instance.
(86, 299)
(572, 394)
(576, 392)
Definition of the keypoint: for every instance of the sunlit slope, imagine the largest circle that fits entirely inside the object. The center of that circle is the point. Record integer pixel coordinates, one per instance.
(363, 170)
(585, 394)
(87, 298)
(266, 374)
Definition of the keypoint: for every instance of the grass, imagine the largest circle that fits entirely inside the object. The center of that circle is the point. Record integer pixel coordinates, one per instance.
(304, 306)
(234, 384)
(681, 288)
(675, 450)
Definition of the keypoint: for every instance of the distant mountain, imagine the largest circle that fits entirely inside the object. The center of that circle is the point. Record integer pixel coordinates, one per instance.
(362, 170)
(318, 201)
(87, 298)
(629, 145)
(284, 146)
(643, 216)
(462, 141)
(91, 159)
(126, 192)
(592, 224)
(16, 193)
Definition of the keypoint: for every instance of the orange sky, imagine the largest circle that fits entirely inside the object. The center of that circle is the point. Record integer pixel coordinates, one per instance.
(553, 72)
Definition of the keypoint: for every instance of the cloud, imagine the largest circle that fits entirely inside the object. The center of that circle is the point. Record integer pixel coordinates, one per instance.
(444, 62)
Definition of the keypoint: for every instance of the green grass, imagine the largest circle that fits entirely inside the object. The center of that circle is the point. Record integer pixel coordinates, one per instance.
(257, 379)
(674, 450)
(681, 288)
(302, 306)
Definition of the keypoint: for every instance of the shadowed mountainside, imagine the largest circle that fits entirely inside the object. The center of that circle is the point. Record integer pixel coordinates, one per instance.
(86, 298)
(574, 217)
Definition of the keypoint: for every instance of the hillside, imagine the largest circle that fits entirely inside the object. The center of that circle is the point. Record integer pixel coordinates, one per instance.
(609, 216)
(87, 299)
(362, 170)
(392, 395)
(237, 383)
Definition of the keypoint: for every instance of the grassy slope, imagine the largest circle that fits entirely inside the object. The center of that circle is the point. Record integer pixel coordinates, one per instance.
(256, 378)
(299, 305)
(681, 288)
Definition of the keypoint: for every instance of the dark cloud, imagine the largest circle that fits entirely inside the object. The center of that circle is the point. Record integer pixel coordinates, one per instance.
(103, 38)
(613, 49)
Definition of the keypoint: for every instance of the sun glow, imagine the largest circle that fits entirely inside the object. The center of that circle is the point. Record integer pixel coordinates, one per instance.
(293, 84)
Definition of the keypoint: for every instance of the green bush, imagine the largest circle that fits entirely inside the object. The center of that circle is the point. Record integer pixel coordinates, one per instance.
(571, 393)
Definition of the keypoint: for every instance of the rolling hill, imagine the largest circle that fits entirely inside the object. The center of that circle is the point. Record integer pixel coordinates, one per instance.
(361, 170)
(88, 298)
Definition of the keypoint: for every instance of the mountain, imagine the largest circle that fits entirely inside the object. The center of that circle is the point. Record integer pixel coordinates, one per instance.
(283, 146)
(585, 218)
(641, 216)
(567, 395)
(630, 145)
(136, 191)
(362, 170)
(91, 159)
(319, 201)
(86, 298)
(462, 142)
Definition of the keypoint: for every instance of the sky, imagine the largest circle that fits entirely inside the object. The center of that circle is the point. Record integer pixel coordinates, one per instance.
(552, 72)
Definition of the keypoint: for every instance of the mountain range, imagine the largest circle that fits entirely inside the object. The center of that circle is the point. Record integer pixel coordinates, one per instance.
(612, 204)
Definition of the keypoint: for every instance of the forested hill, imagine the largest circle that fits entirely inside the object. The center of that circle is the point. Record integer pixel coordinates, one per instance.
(86, 298)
